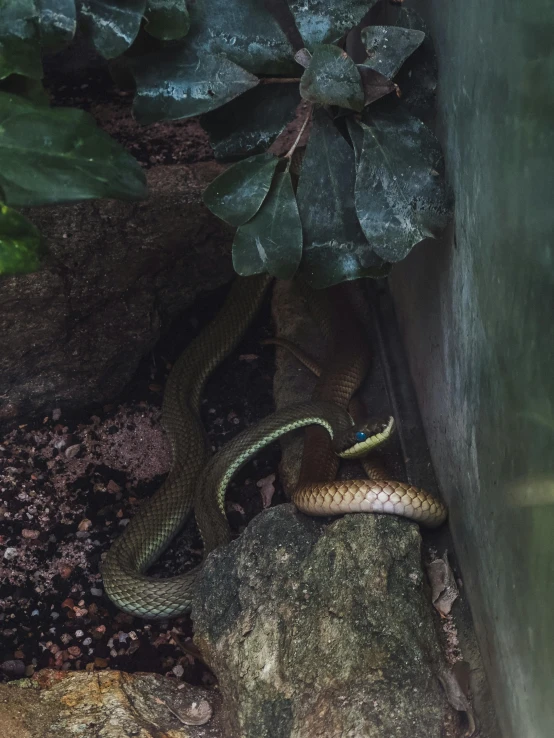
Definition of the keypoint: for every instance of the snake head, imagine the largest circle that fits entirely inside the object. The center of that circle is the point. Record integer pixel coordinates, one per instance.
(360, 439)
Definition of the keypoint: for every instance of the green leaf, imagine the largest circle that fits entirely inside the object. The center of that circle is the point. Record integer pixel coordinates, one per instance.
(418, 77)
(332, 79)
(244, 31)
(58, 23)
(326, 21)
(26, 87)
(60, 155)
(335, 248)
(167, 20)
(177, 84)
(388, 47)
(250, 123)
(272, 241)
(112, 25)
(401, 195)
(375, 84)
(19, 39)
(237, 194)
(20, 243)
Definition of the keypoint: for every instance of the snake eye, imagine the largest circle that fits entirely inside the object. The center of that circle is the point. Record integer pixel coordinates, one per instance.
(361, 436)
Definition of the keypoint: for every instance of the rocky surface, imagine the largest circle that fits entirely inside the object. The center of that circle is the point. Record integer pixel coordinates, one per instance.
(317, 630)
(110, 704)
(74, 332)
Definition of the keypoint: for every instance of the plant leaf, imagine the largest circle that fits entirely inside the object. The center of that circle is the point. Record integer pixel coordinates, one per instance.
(418, 77)
(167, 20)
(26, 87)
(238, 193)
(332, 79)
(401, 195)
(58, 23)
(53, 155)
(244, 31)
(20, 243)
(19, 39)
(375, 85)
(335, 248)
(249, 124)
(272, 241)
(388, 47)
(177, 84)
(326, 21)
(112, 25)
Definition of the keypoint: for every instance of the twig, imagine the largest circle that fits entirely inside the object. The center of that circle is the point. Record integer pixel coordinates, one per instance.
(292, 149)
(277, 80)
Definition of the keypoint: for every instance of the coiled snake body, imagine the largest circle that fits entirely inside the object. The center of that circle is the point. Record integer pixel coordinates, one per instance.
(193, 482)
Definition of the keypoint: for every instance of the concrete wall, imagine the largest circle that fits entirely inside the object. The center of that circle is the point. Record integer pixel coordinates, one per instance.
(477, 314)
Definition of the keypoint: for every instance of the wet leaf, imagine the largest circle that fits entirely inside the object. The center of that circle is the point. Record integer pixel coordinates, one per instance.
(237, 194)
(335, 248)
(20, 243)
(388, 47)
(174, 84)
(112, 25)
(332, 79)
(272, 241)
(167, 20)
(326, 21)
(375, 85)
(53, 155)
(249, 124)
(19, 39)
(58, 22)
(401, 195)
(418, 77)
(244, 31)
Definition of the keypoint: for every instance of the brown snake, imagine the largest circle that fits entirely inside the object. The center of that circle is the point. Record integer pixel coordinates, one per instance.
(197, 480)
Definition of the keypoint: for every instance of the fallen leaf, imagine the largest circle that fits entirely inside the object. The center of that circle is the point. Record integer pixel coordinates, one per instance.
(444, 590)
(267, 489)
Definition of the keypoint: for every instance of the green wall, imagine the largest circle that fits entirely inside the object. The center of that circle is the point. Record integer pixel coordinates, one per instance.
(477, 314)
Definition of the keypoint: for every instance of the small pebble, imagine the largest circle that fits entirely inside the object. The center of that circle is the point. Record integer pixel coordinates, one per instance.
(72, 451)
(100, 663)
(10, 553)
(13, 668)
(27, 533)
(178, 671)
(35, 614)
(95, 592)
(56, 413)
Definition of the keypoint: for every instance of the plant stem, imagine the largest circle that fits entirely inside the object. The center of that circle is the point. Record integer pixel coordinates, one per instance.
(278, 80)
(292, 149)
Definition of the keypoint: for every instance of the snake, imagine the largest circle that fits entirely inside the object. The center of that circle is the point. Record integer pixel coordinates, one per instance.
(197, 480)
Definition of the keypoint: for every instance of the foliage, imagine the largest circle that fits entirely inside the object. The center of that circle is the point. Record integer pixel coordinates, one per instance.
(368, 188)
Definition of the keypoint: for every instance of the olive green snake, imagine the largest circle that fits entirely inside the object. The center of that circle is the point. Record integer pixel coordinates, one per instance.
(198, 480)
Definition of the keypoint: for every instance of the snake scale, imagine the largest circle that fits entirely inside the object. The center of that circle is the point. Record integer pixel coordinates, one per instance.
(198, 481)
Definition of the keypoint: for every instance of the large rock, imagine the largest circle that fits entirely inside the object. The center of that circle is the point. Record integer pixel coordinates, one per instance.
(110, 704)
(322, 630)
(74, 332)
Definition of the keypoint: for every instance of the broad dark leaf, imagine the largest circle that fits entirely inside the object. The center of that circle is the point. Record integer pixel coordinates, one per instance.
(374, 84)
(272, 241)
(418, 77)
(237, 194)
(58, 22)
(20, 243)
(335, 248)
(250, 123)
(60, 155)
(332, 79)
(401, 195)
(244, 31)
(19, 39)
(176, 83)
(167, 20)
(326, 21)
(112, 25)
(388, 47)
